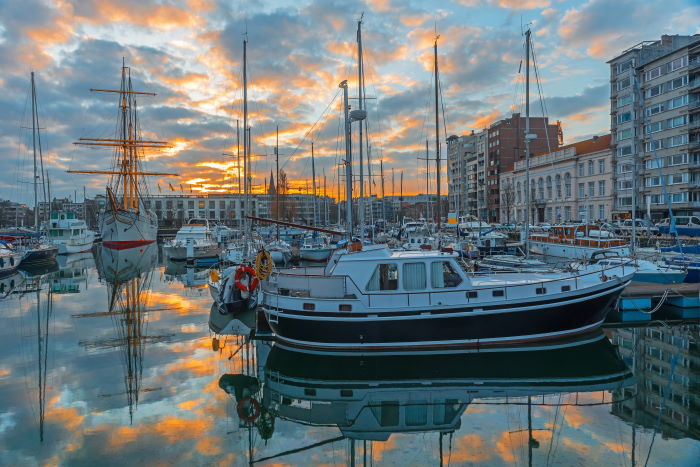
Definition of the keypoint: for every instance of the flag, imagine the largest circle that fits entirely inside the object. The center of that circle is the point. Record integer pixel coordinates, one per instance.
(159, 190)
(190, 188)
(181, 189)
(171, 186)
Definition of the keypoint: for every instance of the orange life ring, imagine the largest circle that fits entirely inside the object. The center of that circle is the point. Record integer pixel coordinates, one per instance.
(243, 411)
(251, 274)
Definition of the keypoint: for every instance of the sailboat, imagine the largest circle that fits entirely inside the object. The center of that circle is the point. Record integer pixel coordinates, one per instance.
(125, 222)
(38, 251)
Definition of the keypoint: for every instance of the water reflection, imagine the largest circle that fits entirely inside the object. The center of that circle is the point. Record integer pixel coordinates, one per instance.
(371, 398)
(128, 274)
(117, 362)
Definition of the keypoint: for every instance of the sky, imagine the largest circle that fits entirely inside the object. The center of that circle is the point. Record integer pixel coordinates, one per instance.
(189, 52)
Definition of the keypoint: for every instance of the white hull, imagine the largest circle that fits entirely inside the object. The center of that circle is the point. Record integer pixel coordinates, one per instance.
(320, 254)
(572, 251)
(128, 229)
(200, 251)
(75, 246)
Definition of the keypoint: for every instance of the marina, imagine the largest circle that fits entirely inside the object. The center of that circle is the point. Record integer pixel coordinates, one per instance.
(358, 234)
(120, 360)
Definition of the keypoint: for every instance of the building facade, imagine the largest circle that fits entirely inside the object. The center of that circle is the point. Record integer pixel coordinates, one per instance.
(476, 161)
(575, 182)
(655, 123)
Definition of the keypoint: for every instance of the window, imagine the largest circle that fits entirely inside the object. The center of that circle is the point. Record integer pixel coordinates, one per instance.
(549, 187)
(567, 213)
(677, 159)
(655, 109)
(675, 179)
(581, 169)
(601, 211)
(677, 140)
(567, 184)
(677, 121)
(677, 63)
(654, 90)
(590, 168)
(624, 184)
(212, 204)
(557, 184)
(678, 102)
(385, 277)
(654, 127)
(443, 275)
(386, 413)
(581, 190)
(601, 188)
(624, 100)
(624, 66)
(622, 135)
(624, 151)
(623, 83)
(678, 83)
(591, 188)
(652, 181)
(414, 277)
(653, 145)
(601, 166)
(624, 117)
(416, 413)
(201, 205)
(652, 74)
(540, 188)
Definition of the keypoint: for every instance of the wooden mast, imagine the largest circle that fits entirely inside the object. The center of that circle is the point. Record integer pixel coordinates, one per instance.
(129, 142)
(437, 133)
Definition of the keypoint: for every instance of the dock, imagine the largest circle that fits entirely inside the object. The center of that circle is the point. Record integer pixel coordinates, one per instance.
(640, 300)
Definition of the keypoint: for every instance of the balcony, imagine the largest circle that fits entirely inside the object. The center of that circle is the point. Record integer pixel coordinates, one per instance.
(693, 84)
(694, 63)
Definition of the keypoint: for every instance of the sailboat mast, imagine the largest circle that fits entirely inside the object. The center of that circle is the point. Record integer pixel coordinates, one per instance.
(360, 97)
(277, 186)
(348, 163)
(245, 138)
(381, 171)
(36, 176)
(427, 181)
(437, 133)
(527, 143)
(313, 182)
(238, 155)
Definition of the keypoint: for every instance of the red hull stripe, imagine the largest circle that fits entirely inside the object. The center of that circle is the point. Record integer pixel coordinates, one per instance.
(126, 244)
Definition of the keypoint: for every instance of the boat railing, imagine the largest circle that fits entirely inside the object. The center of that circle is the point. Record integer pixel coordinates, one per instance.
(320, 285)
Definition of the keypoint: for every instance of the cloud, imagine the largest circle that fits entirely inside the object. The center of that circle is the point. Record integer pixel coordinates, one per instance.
(567, 106)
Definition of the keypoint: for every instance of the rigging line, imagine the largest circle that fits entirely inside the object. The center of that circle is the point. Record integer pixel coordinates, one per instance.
(442, 105)
(289, 158)
(539, 88)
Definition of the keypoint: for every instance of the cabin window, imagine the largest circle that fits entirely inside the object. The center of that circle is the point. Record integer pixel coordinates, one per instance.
(386, 413)
(444, 413)
(385, 277)
(444, 275)
(540, 290)
(473, 294)
(565, 288)
(414, 277)
(416, 413)
(498, 293)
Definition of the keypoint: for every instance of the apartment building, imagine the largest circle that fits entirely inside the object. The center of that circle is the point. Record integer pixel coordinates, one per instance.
(665, 362)
(575, 182)
(466, 174)
(655, 123)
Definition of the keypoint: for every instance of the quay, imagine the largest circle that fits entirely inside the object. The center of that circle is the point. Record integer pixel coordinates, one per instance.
(640, 300)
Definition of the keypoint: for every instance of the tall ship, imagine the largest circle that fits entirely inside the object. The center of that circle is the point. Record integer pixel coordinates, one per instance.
(125, 221)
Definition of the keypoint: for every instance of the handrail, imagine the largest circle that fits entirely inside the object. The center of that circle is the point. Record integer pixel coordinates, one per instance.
(450, 290)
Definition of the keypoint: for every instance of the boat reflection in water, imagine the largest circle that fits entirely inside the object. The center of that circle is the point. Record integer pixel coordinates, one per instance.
(370, 397)
(190, 277)
(127, 273)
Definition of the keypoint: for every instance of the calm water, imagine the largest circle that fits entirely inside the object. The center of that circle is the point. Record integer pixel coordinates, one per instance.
(110, 360)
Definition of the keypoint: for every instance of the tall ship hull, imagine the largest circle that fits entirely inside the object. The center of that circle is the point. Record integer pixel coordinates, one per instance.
(128, 229)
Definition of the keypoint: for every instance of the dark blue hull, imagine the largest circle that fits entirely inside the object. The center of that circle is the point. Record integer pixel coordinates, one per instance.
(39, 256)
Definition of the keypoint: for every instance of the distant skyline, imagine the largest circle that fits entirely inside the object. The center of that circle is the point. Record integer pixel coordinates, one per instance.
(189, 52)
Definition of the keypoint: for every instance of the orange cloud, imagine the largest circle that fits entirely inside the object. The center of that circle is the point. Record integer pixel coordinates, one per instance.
(470, 448)
(484, 120)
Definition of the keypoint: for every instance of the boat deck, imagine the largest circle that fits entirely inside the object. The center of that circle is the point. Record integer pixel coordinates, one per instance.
(648, 289)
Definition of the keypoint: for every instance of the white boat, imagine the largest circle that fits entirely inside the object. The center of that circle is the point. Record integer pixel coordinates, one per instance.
(195, 240)
(316, 247)
(513, 263)
(377, 299)
(9, 260)
(70, 234)
(576, 241)
(420, 239)
(280, 251)
(238, 251)
(647, 271)
(126, 222)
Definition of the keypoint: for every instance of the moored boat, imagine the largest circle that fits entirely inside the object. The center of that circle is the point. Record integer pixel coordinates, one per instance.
(576, 241)
(70, 234)
(195, 240)
(375, 299)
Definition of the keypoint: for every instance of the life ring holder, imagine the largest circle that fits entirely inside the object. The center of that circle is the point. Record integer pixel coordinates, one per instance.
(245, 414)
(251, 274)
